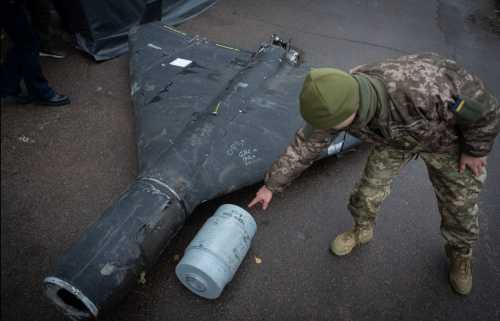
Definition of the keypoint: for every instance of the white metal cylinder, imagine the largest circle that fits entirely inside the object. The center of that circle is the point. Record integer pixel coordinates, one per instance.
(213, 256)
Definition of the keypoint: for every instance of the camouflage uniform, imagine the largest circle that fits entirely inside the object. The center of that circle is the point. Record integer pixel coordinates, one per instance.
(415, 121)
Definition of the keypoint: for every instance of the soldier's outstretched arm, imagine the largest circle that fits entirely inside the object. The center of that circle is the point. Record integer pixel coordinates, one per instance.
(299, 155)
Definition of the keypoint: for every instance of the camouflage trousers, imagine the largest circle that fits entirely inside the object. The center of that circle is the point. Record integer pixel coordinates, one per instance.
(457, 194)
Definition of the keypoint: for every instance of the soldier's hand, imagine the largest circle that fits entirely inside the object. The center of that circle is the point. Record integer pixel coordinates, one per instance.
(475, 164)
(263, 197)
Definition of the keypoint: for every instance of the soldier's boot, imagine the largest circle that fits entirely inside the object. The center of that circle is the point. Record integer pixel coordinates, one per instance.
(460, 274)
(347, 241)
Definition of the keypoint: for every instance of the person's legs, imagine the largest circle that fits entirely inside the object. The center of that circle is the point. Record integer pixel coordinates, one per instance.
(18, 27)
(16, 24)
(26, 42)
(40, 16)
(374, 186)
(457, 195)
(383, 164)
(10, 74)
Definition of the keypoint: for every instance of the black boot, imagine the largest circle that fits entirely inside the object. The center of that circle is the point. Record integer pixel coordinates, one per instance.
(55, 100)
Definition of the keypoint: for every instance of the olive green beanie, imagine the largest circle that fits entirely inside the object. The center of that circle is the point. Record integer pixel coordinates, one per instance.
(329, 96)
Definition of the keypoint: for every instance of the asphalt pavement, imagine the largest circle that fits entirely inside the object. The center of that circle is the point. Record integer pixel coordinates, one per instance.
(61, 167)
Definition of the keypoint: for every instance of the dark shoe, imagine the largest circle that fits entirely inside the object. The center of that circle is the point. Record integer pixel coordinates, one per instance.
(56, 100)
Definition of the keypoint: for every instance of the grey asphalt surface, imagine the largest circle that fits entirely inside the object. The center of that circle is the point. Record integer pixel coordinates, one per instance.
(61, 167)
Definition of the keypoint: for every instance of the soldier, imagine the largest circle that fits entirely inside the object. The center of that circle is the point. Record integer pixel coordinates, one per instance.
(416, 105)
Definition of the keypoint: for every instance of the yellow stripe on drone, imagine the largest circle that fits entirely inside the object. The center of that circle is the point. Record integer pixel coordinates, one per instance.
(174, 30)
(460, 106)
(226, 47)
(216, 110)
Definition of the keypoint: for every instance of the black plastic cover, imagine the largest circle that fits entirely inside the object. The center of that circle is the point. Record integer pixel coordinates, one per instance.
(101, 26)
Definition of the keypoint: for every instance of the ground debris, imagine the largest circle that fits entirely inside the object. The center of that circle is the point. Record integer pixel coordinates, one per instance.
(142, 278)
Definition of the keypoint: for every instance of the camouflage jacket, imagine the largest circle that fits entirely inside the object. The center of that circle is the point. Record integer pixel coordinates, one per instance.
(417, 117)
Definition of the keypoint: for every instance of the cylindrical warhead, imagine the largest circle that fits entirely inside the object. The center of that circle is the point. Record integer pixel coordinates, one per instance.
(213, 256)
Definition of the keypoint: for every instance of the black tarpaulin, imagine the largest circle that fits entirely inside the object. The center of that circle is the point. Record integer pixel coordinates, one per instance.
(101, 26)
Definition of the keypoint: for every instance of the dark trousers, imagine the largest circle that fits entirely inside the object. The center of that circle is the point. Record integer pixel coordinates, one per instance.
(22, 60)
